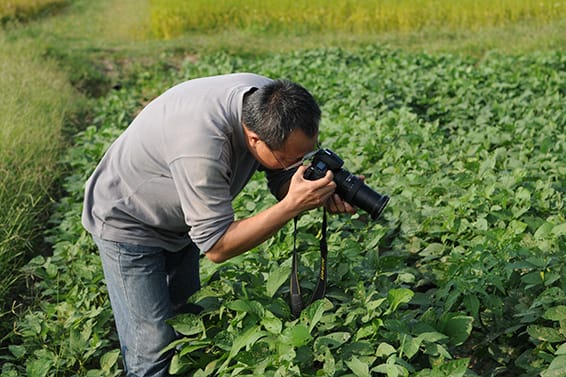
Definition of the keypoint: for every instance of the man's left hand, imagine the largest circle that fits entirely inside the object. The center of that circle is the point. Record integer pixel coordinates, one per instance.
(335, 204)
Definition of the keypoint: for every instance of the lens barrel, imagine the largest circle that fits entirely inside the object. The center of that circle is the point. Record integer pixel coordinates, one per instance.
(353, 190)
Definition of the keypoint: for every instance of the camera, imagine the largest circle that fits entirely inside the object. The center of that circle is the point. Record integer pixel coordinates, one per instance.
(350, 188)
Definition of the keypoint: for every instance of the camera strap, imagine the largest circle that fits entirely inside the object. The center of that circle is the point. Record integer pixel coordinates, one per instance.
(320, 290)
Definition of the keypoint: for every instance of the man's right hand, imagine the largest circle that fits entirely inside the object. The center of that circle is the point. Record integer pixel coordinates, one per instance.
(245, 234)
(305, 194)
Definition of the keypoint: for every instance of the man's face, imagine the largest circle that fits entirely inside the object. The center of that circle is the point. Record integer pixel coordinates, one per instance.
(297, 145)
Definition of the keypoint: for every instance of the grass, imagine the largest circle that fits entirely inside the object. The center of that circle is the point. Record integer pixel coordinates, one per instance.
(521, 38)
(32, 118)
(22, 10)
(49, 49)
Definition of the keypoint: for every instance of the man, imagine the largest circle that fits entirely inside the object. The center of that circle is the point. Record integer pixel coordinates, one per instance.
(162, 195)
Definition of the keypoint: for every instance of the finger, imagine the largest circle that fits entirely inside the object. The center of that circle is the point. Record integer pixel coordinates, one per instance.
(331, 205)
(329, 175)
(349, 208)
(339, 204)
(343, 206)
(326, 183)
(328, 189)
(301, 170)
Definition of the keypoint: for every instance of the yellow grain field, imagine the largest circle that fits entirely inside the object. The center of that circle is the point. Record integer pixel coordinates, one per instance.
(171, 18)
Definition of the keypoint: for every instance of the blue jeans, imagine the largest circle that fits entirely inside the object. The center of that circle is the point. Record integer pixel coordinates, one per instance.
(147, 285)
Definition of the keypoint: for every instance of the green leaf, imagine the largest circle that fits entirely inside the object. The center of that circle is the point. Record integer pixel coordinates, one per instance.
(410, 345)
(17, 351)
(556, 313)
(433, 250)
(543, 231)
(108, 360)
(547, 334)
(272, 323)
(452, 368)
(208, 370)
(366, 331)
(329, 366)
(297, 335)
(247, 306)
(390, 367)
(561, 350)
(187, 324)
(178, 364)
(193, 346)
(332, 340)
(457, 327)
(277, 278)
(384, 350)
(487, 165)
(39, 367)
(247, 339)
(397, 297)
(313, 313)
(359, 368)
(557, 367)
(559, 230)
(472, 303)
(516, 227)
(432, 337)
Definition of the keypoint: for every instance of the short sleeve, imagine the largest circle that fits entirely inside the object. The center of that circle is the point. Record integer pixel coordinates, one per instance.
(204, 192)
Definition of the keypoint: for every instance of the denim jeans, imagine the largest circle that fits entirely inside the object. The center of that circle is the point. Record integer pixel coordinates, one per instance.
(147, 285)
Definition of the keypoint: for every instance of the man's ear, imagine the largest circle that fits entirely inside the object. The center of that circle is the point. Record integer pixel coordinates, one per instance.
(252, 137)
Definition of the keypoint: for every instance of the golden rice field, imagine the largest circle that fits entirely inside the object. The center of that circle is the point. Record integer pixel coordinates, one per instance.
(170, 18)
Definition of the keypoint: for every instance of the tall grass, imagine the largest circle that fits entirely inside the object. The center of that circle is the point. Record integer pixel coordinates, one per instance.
(26, 9)
(35, 99)
(170, 18)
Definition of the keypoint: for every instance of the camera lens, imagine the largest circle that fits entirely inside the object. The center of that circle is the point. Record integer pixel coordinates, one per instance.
(370, 201)
(354, 191)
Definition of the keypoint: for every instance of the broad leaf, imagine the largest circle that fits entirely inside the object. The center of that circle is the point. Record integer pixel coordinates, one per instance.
(277, 278)
(457, 327)
(359, 368)
(397, 297)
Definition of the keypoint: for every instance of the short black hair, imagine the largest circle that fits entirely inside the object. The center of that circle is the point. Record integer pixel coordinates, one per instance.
(275, 110)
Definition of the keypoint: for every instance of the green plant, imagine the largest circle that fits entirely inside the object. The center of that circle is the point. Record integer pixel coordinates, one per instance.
(463, 274)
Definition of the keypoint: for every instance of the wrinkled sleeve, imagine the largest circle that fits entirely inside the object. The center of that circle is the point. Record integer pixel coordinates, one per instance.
(204, 192)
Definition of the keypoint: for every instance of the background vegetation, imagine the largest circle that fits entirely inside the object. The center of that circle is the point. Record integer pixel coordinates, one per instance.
(57, 56)
(18, 10)
(174, 18)
(36, 101)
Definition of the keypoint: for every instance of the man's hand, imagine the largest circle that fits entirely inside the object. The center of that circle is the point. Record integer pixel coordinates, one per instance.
(335, 204)
(245, 234)
(313, 194)
(305, 194)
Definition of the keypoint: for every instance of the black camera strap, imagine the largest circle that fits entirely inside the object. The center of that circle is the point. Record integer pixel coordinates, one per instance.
(320, 290)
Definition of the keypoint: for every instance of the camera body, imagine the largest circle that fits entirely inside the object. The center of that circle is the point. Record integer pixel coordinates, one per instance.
(350, 188)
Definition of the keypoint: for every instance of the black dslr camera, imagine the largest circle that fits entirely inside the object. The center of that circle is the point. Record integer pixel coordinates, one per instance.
(348, 186)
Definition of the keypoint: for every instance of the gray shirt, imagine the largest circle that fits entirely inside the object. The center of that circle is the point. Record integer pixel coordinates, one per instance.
(170, 178)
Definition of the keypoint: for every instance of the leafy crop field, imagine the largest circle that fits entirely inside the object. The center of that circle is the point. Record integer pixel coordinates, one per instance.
(463, 275)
